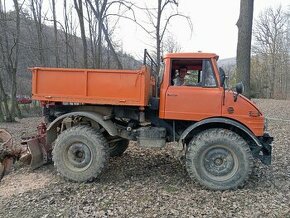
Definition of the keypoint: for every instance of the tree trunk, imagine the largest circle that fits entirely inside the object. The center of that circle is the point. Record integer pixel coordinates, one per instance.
(1, 113)
(14, 64)
(79, 9)
(37, 13)
(55, 34)
(99, 42)
(99, 12)
(13, 93)
(92, 35)
(105, 31)
(158, 39)
(244, 43)
(66, 27)
(3, 96)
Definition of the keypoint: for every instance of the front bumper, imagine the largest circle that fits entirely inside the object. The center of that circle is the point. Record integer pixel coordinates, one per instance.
(264, 150)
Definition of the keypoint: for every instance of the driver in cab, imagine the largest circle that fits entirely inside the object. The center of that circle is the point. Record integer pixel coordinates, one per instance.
(179, 79)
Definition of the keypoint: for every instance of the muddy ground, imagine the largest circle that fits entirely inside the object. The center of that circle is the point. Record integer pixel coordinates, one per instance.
(151, 183)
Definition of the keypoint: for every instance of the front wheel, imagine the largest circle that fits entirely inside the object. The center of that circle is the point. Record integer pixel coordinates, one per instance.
(219, 159)
(80, 153)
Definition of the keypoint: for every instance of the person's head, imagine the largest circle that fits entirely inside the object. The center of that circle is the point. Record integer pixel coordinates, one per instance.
(182, 71)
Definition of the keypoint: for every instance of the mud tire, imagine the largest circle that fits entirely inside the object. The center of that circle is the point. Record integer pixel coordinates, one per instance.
(219, 159)
(80, 153)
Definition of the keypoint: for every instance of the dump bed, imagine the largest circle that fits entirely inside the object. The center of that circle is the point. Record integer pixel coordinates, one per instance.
(106, 87)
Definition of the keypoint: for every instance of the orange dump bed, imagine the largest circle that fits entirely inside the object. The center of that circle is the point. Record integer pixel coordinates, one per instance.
(112, 87)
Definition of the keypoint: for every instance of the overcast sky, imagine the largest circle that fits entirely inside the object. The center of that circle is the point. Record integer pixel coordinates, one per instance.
(214, 27)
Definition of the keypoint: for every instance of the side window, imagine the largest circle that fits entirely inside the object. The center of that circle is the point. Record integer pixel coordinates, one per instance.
(193, 78)
(209, 78)
(192, 72)
(186, 73)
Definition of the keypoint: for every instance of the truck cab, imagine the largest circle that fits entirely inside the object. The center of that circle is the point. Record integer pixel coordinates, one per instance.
(200, 96)
(203, 94)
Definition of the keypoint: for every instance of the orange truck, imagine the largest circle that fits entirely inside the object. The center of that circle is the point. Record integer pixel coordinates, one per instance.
(93, 114)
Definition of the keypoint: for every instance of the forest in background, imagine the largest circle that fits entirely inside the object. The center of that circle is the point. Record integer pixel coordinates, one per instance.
(270, 56)
(83, 37)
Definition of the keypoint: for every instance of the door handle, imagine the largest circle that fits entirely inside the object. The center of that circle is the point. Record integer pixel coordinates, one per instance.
(171, 94)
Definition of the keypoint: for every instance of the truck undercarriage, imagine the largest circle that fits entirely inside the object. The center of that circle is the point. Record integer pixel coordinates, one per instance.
(151, 132)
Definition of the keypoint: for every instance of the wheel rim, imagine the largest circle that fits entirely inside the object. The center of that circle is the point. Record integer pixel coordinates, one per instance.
(219, 163)
(78, 156)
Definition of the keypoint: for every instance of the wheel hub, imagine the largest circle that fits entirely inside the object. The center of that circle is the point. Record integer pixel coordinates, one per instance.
(219, 163)
(78, 155)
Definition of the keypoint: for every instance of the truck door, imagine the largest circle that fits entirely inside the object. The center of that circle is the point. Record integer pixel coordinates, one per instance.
(196, 96)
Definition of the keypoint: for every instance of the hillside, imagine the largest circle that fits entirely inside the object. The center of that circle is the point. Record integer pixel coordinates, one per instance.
(29, 52)
(227, 62)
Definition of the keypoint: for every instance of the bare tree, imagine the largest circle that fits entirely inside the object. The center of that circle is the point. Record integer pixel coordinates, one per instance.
(66, 32)
(36, 9)
(79, 8)
(270, 34)
(5, 114)
(70, 36)
(92, 24)
(101, 9)
(288, 61)
(170, 44)
(56, 52)
(98, 9)
(244, 43)
(158, 22)
(10, 54)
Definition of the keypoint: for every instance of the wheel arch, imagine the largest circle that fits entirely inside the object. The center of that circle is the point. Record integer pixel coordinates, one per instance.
(218, 122)
(108, 125)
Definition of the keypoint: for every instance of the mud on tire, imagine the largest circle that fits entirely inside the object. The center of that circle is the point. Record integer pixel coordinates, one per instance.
(219, 159)
(80, 153)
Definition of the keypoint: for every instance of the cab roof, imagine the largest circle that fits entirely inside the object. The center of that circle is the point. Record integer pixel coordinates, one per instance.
(191, 55)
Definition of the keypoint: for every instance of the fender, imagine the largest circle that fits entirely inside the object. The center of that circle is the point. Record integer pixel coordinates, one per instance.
(220, 121)
(107, 124)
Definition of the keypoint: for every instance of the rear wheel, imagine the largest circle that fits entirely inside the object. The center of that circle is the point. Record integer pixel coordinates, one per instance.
(117, 148)
(80, 153)
(219, 159)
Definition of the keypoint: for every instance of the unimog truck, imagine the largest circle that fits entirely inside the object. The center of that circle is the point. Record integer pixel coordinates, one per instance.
(92, 114)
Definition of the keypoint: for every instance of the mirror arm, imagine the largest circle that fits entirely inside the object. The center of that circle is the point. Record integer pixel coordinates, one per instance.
(236, 96)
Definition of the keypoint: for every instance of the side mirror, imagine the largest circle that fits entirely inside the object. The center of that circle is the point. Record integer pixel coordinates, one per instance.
(222, 76)
(240, 88)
